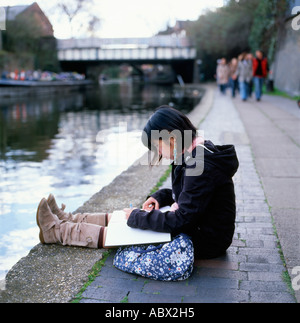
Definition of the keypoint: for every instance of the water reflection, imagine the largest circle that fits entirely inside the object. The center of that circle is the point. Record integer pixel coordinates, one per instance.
(50, 145)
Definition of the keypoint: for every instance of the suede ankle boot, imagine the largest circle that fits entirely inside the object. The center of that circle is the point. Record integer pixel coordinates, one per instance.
(54, 230)
(92, 218)
(64, 216)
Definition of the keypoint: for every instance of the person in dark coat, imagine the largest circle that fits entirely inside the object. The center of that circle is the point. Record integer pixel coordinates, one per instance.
(202, 198)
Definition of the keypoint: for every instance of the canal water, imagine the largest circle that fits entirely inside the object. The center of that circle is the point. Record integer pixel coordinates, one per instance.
(70, 146)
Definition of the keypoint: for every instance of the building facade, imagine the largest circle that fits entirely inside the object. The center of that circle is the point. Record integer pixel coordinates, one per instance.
(286, 69)
(33, 13)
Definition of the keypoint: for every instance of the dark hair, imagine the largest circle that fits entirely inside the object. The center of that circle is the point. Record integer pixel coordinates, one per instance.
(174, 122)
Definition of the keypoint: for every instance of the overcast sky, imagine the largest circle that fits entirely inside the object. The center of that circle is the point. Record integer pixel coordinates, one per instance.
(127, 18)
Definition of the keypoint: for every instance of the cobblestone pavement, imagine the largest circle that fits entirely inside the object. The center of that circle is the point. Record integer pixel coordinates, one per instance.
(252, 269)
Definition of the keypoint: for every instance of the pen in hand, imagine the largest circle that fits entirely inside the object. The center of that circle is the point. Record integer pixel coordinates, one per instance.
(150, 207)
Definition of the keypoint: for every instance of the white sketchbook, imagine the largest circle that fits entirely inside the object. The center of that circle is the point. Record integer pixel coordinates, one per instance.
(120, 234)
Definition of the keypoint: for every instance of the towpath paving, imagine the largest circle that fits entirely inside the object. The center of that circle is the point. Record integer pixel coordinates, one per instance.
(253, 269)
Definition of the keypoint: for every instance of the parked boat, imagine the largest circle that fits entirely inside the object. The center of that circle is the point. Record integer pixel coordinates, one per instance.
(17, 83)
(17, 88)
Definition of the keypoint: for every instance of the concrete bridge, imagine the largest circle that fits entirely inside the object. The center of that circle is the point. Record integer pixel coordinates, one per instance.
(83, 55)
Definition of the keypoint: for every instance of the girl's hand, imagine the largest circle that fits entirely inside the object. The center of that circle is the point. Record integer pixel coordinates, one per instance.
(127, 213)
(151, 204)
(174, 207)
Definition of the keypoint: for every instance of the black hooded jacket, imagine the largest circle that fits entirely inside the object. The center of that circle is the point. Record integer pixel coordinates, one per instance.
(203, 188)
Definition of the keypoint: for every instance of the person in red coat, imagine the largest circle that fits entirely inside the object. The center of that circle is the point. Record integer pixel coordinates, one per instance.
(260, 72)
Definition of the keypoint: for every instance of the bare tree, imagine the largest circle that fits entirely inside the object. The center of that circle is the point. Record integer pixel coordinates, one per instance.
(93, 24)
(79, 8)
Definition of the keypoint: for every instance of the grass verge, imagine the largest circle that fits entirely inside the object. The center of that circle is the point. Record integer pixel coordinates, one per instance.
(161, 180)
(93, 274)
(283, 94)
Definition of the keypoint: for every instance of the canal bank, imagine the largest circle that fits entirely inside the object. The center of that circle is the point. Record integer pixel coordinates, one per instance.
(69, 145)
(53, 273)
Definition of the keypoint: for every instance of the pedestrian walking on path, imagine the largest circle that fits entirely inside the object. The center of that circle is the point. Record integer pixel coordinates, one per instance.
(260, 72)
(244, 73)
(234, 79)
(222, 74)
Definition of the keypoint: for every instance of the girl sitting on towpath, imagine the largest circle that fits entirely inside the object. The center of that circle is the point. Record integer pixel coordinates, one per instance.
(202, 197)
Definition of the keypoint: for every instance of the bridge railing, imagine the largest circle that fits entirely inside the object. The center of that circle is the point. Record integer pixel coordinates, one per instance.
(154, 48)
(156, 41)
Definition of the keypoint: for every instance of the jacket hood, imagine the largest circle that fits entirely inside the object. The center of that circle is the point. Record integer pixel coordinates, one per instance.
(223, 157)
